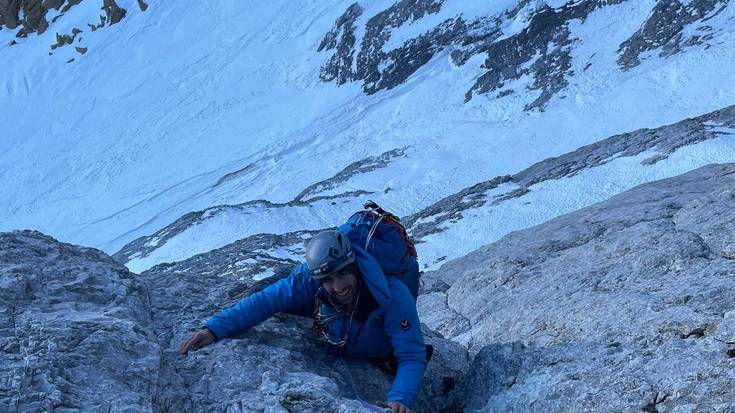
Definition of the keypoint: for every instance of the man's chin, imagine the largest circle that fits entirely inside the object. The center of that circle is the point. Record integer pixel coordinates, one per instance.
(343, 301)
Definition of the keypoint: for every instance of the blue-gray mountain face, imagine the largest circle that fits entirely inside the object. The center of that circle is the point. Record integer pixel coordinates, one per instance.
(623, 306)
(78, 332)
(541, 50)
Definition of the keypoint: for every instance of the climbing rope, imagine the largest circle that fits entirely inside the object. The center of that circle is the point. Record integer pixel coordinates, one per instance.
(338, 364)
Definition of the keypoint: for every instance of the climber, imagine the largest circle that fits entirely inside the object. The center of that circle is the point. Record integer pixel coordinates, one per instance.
(358, 310)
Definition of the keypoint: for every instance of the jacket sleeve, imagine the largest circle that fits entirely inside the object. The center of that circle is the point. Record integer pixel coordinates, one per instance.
(298, 288)
(403, 327)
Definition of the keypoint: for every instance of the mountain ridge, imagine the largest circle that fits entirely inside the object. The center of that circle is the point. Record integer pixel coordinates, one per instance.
(438, 217)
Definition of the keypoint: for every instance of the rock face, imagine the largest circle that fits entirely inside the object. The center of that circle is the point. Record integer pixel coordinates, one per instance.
(75, 330)
(541, 50)
(78, 332)
(664, 30)
(280, 362)
(626, 305)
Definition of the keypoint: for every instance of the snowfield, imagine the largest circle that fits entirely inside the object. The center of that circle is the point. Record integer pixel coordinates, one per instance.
(190, 106)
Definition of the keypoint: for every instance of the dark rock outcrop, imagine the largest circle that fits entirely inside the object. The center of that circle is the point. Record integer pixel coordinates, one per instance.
(664, 29)
(30, 15)
(541, 50)
(368, 62)
(529, 53)
(113, 12)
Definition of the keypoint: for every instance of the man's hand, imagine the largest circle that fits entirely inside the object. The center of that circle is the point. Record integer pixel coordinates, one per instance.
(197, 340)
(395, 407)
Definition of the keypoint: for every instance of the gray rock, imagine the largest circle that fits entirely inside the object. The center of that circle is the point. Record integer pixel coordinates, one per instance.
(75, 330)
(438, 316)
(625, 305)
(78, 332)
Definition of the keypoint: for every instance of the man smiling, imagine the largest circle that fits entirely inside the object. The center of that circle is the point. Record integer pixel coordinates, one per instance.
(359, 311)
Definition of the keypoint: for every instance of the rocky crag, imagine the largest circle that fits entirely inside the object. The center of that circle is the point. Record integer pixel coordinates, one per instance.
(625, 305)
(541, 50)
(30, 16)
(27, 17)
(78, 332)
(75, 330)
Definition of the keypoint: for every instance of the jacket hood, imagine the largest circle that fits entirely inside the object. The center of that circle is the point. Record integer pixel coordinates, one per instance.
(372, 275)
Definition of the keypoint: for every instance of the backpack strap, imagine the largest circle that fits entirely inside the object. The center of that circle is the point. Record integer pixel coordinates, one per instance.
(372, 230)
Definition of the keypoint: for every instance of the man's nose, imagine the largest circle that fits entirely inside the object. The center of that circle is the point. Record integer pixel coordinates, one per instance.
(340, 285)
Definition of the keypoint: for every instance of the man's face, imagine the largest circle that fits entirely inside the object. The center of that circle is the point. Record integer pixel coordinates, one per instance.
(342, 288)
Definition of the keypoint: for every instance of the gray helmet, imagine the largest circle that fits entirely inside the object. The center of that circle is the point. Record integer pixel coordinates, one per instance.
(328, 252)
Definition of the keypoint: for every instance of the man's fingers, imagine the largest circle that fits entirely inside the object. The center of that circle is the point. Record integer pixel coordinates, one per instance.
(185, 347)
(191, 343)
(197, 340)
(395, 407)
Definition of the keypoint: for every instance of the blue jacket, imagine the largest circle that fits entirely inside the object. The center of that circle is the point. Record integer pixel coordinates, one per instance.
(393, 327)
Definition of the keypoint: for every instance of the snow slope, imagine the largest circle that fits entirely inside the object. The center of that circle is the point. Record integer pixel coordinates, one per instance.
(189, 106)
